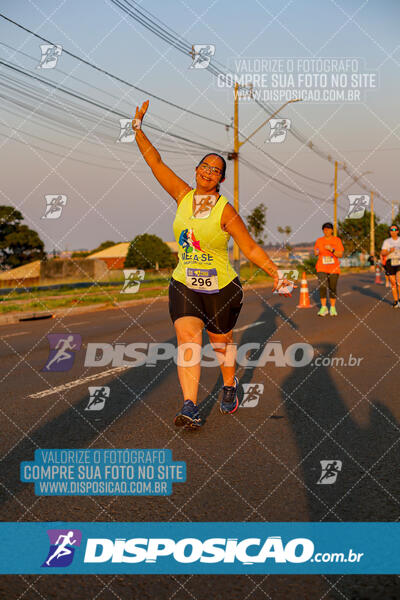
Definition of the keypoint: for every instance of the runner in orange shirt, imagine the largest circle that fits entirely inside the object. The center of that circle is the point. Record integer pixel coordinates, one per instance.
(329, 249)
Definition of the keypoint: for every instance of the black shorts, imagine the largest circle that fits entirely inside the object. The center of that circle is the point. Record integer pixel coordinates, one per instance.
(219, 311)
(389, 270)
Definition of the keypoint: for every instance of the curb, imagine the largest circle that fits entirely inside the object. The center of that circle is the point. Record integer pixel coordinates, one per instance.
(70, 311)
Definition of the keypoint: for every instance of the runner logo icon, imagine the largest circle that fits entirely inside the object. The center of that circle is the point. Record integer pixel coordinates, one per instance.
(357, 205)
(286, 282)
(133, 278)
(251, 394)
(330, 470)
(201, 55)
(62, 547)
(50, 56)
(98, 397)
(278, 130)
(126, 134)
(54, 205)
(62, 349)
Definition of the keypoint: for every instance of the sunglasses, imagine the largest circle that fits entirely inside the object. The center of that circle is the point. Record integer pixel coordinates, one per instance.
(394, 229)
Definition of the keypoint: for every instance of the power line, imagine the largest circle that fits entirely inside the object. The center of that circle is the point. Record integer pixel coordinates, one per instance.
(100, 105)
(105, 72)
(254, 168)
(180, 45)
(106, 92)
(186, 51)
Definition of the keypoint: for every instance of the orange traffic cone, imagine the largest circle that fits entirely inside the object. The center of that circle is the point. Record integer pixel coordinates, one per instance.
(378, 275)
(304, 295)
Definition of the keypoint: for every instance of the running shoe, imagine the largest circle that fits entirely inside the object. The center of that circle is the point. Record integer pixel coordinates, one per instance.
(333, 311)
(323, 311)
(230, 401)
(396, 304)
(188, 416)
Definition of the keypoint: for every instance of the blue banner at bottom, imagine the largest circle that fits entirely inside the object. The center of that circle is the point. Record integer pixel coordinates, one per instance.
(200, 548)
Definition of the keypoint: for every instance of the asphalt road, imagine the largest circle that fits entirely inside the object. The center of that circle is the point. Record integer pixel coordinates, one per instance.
(260, 464)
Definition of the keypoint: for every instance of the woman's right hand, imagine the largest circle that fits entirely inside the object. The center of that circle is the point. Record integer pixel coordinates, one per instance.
(140, 112)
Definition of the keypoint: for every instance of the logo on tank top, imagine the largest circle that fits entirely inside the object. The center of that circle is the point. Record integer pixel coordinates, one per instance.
(188, 241)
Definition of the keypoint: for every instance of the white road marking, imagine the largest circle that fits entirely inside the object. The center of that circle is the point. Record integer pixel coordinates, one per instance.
(81, 381)
(249, 326)
(346, 294)
(78, 323)
(3, 337)
(366, 286)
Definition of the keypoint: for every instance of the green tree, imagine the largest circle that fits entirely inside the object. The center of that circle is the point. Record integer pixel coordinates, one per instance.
(149, 252)
(103, 246)
(355, 234)
(396, 220)
(308, 265)
(80, 254)
(286, 231)
(256, 222)
(19, 244)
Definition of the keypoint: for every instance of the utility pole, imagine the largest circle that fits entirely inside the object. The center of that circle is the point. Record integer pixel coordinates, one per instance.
(335, 201)
(235, 157)
(392, 211)
(372, 232)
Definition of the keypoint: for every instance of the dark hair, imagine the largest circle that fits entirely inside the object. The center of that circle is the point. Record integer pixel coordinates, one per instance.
(394, 225)
(223, 164)
(327, 225)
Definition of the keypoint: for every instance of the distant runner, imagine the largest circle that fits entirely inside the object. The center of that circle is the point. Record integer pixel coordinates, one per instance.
(391, 251)
(329, 249)
(205, 291)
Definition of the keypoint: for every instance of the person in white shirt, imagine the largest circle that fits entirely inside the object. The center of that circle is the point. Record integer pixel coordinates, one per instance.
(391, 249)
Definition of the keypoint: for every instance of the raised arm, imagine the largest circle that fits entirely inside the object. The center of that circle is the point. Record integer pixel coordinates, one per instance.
(233, 224)
(174, 185)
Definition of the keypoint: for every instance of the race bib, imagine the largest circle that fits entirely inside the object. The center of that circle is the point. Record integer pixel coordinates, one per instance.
(328, 260)
(395, 262)
(202, 280)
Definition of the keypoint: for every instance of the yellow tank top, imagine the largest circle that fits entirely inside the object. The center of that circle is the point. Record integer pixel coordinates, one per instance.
(202, 248)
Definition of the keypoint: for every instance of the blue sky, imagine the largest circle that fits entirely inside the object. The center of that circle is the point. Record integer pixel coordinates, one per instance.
(116, 197)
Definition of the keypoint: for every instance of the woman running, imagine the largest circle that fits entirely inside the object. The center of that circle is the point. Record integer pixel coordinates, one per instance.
(204, 290)
(329, 249)
(391, 251)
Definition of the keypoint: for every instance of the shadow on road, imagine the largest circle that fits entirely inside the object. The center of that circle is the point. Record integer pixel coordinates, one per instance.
(269, 315)
(372, 294)
(78, 428)
(367, 486)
